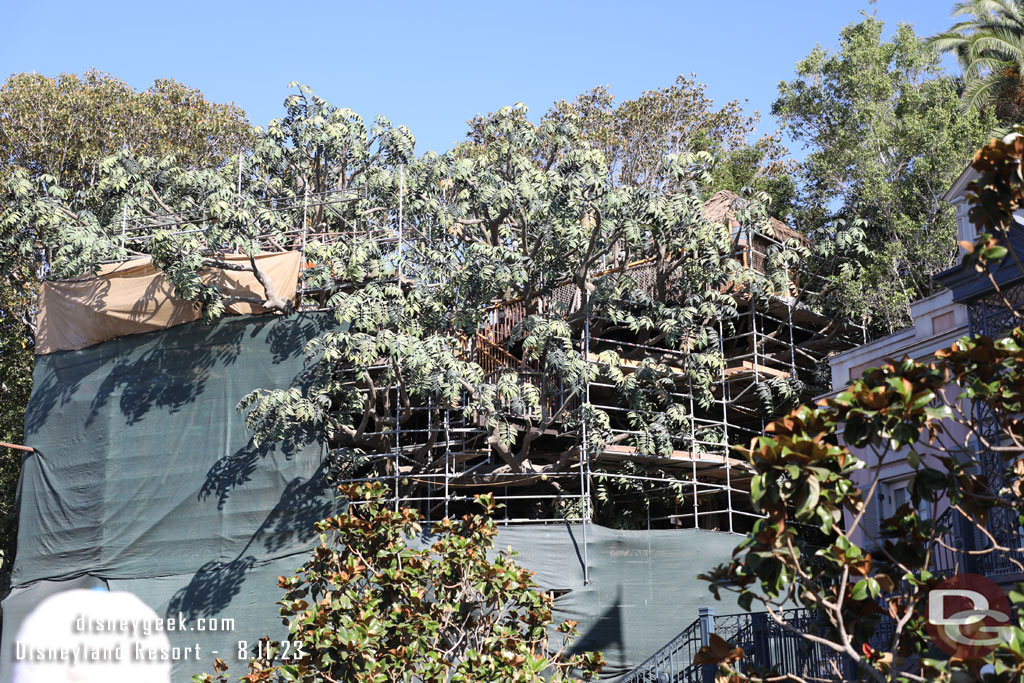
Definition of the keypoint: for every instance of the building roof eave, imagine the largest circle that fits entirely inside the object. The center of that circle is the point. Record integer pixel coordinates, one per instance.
(959, 186)
(967, 284)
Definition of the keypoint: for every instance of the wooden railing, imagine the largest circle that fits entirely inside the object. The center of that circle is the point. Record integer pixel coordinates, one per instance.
(494, 358)
(563, 299)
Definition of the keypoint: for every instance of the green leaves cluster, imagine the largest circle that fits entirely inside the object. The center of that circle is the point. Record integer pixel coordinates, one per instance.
(886, 137)
(372, 604)
(65, 126)
(636, 135)
(526, 218)
(918, 411)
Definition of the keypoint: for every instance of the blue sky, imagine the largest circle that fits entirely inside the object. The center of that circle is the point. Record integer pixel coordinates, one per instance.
(432, 66)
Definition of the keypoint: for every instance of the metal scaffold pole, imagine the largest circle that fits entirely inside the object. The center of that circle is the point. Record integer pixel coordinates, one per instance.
(447, 457)
(398, 378)
(693, 450)
(305, 222)
(792, 346)
(302, 259)
(725, 427)
(757, 363)
(584, 449)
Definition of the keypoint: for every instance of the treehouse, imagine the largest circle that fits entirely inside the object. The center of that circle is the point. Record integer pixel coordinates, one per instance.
(769, 354)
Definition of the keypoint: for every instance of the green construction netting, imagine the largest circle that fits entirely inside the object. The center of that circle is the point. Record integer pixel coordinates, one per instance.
(144, 479)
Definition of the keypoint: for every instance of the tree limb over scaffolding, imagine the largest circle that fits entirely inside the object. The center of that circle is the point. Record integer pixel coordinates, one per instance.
(509, 318)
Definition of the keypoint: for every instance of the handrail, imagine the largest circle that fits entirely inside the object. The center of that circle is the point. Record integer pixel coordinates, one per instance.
(672, 662)
(765, 645)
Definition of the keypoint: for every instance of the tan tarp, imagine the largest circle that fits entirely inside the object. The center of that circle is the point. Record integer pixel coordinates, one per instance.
(134, 297)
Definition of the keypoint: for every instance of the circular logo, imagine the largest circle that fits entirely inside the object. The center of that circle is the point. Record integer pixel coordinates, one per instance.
(967, 614)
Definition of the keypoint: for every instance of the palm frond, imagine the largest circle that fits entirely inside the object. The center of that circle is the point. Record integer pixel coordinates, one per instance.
(980, 91)
(990, 64)
(949, 41)
(990, 9)
(1005, 45)
(945, 43)
(1011, 9)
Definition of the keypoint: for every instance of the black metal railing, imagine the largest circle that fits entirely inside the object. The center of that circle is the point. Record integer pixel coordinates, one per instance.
(673, 663)
(767, 645)
(957, 551)
(771, 647)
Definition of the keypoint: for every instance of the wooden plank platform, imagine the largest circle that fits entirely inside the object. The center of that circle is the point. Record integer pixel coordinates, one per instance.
(745, 370)
(748, 369)
(703, 461)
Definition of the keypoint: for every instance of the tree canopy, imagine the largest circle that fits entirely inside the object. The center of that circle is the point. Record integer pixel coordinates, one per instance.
(636, 135)
(65, 126)
(885, 138)
(519, 213)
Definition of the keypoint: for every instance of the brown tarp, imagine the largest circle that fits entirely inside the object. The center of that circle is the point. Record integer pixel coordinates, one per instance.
(134, 297)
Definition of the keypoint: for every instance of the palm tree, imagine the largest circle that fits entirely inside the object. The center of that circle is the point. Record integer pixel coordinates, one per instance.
(989, 44)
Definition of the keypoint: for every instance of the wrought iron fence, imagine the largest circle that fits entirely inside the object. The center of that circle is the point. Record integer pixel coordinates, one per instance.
(768, 646)
(771, 647)
(672, 663)
(956, 552)
(994, 315)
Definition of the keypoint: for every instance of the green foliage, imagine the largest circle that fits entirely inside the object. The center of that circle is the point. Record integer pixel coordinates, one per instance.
(636, 135)
(629, 496)
(65, 126)
(253, 201)
(370, 605)
(989, 45)
(777, 393)
(518, 213)
(886, 138)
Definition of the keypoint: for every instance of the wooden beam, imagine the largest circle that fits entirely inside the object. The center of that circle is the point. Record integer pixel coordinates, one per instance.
(27, 449)
(748, 368)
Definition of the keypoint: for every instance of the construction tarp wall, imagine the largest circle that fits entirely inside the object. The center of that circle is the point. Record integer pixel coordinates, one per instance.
(144, 479)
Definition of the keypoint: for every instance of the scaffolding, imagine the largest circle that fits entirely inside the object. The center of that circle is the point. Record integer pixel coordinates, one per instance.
(439, 456)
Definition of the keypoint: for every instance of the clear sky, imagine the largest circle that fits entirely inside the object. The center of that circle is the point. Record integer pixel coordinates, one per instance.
(433, 65)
